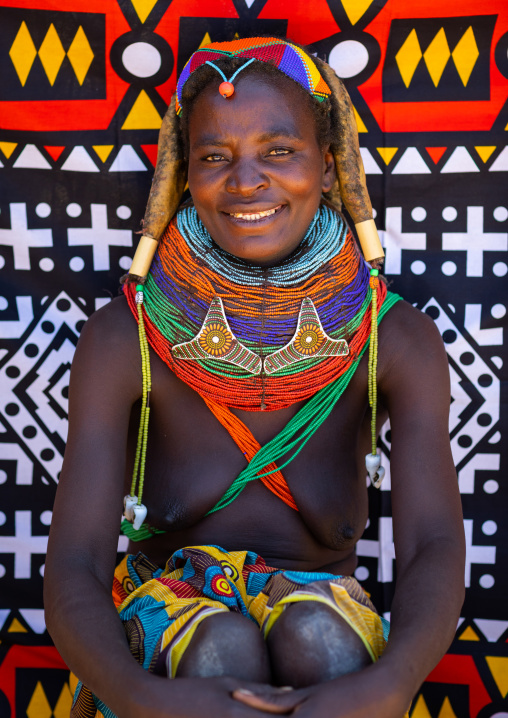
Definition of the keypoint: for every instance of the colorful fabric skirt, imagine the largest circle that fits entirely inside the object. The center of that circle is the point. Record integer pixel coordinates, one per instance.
(161, 608)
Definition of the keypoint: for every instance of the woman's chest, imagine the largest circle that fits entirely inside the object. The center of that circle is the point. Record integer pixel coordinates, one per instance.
(193, 459)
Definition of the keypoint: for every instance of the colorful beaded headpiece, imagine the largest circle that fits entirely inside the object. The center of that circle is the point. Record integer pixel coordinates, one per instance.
(285, 56)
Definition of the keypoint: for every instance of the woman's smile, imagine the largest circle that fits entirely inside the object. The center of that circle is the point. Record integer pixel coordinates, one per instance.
(258, 216)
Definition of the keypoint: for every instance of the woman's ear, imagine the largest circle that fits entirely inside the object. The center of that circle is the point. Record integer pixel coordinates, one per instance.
(329, 171)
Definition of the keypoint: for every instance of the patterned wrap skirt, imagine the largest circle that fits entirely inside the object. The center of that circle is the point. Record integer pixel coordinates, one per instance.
(161, 608)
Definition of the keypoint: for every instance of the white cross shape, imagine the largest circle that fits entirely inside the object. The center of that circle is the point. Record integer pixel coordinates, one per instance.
(475, 241)
(395, 240)
(475, 554)
(23, 545)
(383, 550)
(99, 237)
(21, 239)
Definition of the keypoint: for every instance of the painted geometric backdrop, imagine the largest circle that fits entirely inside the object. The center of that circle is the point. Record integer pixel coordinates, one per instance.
(84, 85)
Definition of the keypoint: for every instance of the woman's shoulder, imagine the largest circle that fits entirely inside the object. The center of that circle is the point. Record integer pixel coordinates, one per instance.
(404, 323)
(409, 340)
(113, 323)
(109, 346)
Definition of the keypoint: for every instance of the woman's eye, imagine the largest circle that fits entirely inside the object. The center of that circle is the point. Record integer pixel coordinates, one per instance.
(277, 151)
(214, 158)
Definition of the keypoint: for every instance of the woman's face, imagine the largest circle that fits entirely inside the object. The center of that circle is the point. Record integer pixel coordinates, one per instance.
(256, 170)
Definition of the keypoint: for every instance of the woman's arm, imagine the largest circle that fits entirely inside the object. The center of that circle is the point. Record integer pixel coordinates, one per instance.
(427, 516)
(80, 614)
(413, 383)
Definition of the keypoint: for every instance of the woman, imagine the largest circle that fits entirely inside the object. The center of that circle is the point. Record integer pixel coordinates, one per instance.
(266, 315)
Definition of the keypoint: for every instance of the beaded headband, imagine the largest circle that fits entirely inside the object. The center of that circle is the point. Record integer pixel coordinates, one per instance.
(285, 56)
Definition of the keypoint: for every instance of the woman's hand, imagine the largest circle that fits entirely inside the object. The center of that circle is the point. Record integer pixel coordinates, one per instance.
(199, 697)
(358, 695)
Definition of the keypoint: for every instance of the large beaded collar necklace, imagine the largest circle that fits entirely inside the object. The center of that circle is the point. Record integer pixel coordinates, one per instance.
(259, 338)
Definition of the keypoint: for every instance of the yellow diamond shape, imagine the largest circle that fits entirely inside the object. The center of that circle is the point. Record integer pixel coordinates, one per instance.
(408, 57)
(52, 54)
(465, 55)
(23, 53)
(80, 54)
(436, 56)
(39, 706)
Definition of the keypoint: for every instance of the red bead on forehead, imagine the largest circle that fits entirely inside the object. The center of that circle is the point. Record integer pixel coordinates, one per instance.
(226, 89)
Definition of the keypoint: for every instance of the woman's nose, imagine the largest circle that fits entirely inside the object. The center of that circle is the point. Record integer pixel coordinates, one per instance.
(246, 177)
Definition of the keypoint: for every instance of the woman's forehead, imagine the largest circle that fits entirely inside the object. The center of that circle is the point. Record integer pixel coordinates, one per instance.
(272, 109)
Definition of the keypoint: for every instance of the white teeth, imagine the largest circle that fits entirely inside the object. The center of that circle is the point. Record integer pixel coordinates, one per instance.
(257, 215)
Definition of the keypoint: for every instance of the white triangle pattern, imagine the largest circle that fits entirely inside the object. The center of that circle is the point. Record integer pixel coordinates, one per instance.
(35, 618)
(31, 158)
(411, 163)
(249, 3)
(501, 162)
(127, 161)
(491, 628)
(369, 163)
(4, 612)
(460, 161)
(80, 161)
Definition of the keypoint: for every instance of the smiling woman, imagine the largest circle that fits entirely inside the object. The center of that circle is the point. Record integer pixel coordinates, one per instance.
(256, 179)
(249, 347)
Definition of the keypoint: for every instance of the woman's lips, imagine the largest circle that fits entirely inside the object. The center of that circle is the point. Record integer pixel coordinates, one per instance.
(251, 217)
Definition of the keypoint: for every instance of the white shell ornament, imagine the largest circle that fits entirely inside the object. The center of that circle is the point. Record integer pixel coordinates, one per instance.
(374, 469)
(140, 512)
(128, 507)
(372, 464)
(380, 476)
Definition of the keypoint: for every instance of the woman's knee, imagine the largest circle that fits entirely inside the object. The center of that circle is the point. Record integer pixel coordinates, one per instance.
(226, 644)
(311, 643)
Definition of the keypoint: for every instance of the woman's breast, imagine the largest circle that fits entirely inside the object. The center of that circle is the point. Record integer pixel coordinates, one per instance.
(192, 461)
